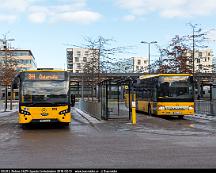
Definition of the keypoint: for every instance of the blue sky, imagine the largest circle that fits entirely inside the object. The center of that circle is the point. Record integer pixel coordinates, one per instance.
(48, 27)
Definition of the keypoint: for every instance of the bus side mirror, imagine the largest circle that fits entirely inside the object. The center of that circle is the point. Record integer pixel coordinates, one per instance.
(72, 100)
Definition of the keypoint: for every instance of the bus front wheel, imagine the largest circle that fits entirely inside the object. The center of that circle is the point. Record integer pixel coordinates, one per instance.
(65, 124)
(23, 126)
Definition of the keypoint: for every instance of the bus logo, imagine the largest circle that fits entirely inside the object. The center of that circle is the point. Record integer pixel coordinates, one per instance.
(44, 112)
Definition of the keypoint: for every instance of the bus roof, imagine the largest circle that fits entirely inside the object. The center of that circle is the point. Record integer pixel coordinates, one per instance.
(146, 76)
(45, 70)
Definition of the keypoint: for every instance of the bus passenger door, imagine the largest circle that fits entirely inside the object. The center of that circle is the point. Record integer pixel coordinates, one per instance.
(72, 100)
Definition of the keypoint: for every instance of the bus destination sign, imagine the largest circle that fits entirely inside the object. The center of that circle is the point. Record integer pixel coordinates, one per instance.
(44, 76)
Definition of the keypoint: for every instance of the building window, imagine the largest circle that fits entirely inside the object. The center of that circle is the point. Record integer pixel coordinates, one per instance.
(86, 53)
(145, 62)
(200, 54)
(138, 62)
(198, 60)
(78, 65)
(77, 71)
(84, 59)
(200, 66)
(78, 53)
(76, 59)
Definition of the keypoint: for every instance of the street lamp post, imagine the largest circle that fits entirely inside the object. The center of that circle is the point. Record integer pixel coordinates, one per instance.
(4, 42)
(193, 57)
(149, 53)
(193, 49)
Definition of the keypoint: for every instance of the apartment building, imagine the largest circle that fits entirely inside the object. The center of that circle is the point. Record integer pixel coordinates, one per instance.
(203, 60)
(78, 57)
(140, 64)
(214, 64)
(25, 58)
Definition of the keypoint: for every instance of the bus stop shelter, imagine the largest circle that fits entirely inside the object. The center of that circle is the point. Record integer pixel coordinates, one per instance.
(112, 101)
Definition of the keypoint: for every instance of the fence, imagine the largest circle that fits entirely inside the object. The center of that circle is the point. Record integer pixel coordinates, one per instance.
(15, 105)
(92, 108)
(205, 107)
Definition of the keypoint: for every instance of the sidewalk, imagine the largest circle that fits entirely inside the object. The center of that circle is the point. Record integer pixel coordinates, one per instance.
(87, 117)
(8, 112)
(205, 107)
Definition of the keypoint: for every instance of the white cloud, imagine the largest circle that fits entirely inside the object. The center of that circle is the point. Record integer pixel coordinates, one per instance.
(85, 17)
(169, 8)
(65, 13)
(40, 11)
(8, 18)
(14, 5)
(212, 35)
(170, 13)
(37, 17)
(129, 18)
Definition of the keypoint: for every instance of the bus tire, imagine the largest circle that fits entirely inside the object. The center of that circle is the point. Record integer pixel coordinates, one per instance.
(23, 126)
(66, 124)
(181, 117)
(149, 110)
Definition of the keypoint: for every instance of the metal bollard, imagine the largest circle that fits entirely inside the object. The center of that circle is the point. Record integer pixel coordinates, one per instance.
(133, 112)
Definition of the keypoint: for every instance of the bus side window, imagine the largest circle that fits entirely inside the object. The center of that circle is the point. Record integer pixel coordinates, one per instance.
(164, 89)
(154, 94)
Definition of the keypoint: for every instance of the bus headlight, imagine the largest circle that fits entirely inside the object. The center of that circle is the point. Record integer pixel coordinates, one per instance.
(25, 112)
(161, 108)
(190, 108)
(63, 112)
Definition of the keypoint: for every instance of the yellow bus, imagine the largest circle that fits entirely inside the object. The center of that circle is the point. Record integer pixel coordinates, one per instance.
(44, 96)
(165, 94)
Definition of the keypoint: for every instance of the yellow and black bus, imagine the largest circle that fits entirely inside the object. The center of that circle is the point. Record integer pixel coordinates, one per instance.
(165, 94)
(44, 96)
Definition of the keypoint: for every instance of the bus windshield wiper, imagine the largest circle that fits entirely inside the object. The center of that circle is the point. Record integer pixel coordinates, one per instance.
(60, 103)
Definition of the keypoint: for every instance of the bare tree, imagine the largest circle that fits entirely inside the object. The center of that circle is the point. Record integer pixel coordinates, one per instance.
(7, 68)
(104, 53)
(178, 56)
(102, 59)
(196, 40)
(175, 60)
(7, 72)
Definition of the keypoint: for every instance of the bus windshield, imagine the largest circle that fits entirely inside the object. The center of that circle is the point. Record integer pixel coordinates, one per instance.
(175, 88)
(45, 92)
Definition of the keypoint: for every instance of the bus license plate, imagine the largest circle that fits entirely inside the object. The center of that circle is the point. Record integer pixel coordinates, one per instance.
(176, 113)
(45, 120)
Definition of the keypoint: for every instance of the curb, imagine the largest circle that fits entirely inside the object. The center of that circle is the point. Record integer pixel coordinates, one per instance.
(205, 116)
(92, 124)
(84, 115)
(7, 113)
